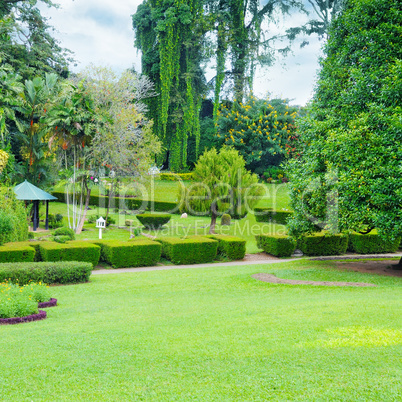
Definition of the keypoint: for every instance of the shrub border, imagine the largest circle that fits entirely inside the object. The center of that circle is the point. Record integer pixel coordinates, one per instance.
(51, 303)
(19, 320)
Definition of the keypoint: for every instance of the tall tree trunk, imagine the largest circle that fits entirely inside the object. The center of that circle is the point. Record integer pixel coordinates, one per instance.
(214, 215)
(84, 214)
(109, 203)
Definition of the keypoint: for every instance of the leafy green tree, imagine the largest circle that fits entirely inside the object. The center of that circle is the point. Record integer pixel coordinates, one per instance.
(348, 175)
(11, 90)
(324, 12)
(34, 147)
(222, 185)
(261, 130)
(26, 41)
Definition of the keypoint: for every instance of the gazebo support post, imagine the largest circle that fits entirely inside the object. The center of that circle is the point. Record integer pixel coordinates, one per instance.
(35, 215)
(47, 215)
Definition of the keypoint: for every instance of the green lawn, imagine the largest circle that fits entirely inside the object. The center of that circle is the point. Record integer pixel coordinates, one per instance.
(211, 334)
(276, 195)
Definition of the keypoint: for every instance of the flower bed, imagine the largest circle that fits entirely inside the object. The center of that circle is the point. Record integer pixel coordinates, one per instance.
(21, 301)
(41, 315)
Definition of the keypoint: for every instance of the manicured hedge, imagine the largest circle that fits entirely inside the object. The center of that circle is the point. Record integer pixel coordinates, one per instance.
(46, 272)
(231, 247)
(277, 245)
(324, 244)
(175, 176)
(372, 243)
(130, 203)
(133, 253)
(153, 221)
(35, 245)
(16, 252)
(271, 215)
(194, 250)
(73, 251)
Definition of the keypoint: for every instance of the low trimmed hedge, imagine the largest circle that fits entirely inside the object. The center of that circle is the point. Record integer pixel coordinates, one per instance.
(175, 176)
(372, 243)
(133, 253)
(277, 245)
(16, 252)
(153, 221)
(324, 244)
(194, 250)
(231, 247)
(73, 251)
(127, 203)
(46, 272)
(271, 215)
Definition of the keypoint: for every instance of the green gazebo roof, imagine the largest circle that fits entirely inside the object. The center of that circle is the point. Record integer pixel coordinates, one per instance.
(28, 192)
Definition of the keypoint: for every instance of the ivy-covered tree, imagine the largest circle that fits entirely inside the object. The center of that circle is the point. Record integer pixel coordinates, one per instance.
(244, 35)
(348, 175)
(263, 131)
(176, 38)
(170, 35)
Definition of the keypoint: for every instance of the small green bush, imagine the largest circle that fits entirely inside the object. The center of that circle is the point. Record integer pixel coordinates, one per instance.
(55, 221)
(91, 219)
(61, 239)
(153, 221)
(194, 250)
(324, 244)
(134, 253)
(372, 243)
(73, 251)
(225, 220)
(46, 272)
(277, 245)
(16, 252)
(270, 215)
(31, 236)
(65, 231)
(231, 247)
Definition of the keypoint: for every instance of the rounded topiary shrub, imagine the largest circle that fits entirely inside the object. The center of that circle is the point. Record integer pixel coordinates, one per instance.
(64, 231)
(153, 221)
(225, 220)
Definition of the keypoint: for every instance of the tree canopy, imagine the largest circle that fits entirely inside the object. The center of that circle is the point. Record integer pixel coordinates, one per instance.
(348, 174)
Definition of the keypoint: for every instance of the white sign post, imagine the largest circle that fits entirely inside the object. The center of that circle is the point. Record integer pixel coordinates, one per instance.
(101, 224)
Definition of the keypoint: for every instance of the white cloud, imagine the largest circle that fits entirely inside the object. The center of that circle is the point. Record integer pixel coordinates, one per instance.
(100, 32)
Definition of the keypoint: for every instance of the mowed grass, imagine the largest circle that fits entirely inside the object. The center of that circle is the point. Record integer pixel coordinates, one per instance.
(210, 334)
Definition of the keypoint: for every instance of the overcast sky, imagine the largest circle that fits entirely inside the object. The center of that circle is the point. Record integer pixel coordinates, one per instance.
(100, 32)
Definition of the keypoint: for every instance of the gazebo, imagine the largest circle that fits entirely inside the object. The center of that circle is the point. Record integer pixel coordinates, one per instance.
(26, 191)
